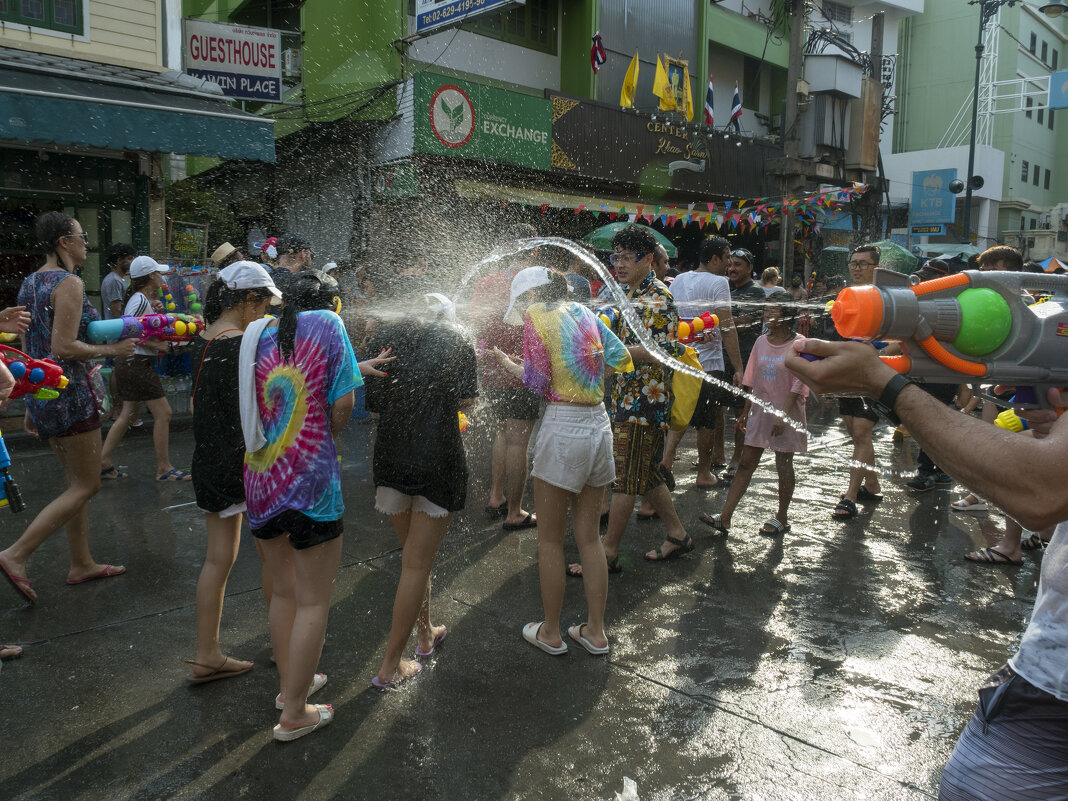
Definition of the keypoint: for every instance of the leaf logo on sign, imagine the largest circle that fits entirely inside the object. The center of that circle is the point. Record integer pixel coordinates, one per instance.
(452, 116)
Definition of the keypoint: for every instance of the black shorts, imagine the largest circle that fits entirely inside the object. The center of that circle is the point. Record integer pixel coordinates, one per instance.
(137, 380)
(858, 407)
(514, 404)
(709, 401)
(302, 530)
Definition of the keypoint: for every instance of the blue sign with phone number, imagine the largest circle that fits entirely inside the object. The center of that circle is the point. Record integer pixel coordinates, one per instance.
(431, 14)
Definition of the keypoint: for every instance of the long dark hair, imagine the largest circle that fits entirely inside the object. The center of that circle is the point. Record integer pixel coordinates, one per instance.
(219, 297)
(136, 285)
(311, 290)
(50, 228)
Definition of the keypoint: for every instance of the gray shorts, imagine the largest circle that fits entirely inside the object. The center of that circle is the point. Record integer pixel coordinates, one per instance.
(574, 448)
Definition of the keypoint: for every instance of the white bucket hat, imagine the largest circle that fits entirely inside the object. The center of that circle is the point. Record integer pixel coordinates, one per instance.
(249, 275)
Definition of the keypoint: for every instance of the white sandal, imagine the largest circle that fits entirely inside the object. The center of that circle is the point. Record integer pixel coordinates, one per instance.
(964, 506)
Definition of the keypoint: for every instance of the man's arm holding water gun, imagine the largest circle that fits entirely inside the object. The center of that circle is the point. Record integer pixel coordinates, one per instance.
(1022, 476)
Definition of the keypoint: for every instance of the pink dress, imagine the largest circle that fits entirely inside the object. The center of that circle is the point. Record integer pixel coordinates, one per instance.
(772, 382)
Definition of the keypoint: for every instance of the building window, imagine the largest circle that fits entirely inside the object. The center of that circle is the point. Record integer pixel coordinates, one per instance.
(1023, 222)
(838, 12)
(1029, 102)
(1025, 171)
(1041, 116)
(1053, 58)
(56, 15)
(532, 25)
(1045, 180)
(1045, 51)
(1049, 120)
(750, 84)
(1034, 43)
(1033, 224)
(1034, 173)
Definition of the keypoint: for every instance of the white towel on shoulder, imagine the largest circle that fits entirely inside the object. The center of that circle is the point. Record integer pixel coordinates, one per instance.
(251, 425)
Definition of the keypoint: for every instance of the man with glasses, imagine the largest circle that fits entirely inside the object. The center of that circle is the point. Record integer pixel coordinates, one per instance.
(641, 402)
(858, 414)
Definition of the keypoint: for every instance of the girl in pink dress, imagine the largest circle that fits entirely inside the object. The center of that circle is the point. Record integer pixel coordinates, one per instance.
(769, 380)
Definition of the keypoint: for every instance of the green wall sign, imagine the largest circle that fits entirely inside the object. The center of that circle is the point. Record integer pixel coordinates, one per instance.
(471, 121)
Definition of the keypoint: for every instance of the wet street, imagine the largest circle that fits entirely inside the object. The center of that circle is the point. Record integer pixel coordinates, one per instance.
(838, 662)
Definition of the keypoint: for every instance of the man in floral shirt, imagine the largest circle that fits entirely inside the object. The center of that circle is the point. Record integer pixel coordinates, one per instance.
(641, 400)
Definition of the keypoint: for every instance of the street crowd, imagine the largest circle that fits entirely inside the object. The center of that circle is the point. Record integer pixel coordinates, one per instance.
(539, 338)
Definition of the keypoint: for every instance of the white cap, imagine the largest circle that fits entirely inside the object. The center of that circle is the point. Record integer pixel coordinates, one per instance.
(146, 265)
(524, 281)
(249, 275)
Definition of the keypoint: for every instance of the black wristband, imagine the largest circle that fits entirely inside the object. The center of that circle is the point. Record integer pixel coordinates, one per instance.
(888, 397)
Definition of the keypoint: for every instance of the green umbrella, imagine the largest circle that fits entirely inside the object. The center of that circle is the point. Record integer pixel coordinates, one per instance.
(896, 257)
(601, 238)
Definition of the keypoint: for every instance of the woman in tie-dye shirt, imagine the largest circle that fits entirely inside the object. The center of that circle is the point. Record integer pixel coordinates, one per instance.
(305, 374)
(567, 352)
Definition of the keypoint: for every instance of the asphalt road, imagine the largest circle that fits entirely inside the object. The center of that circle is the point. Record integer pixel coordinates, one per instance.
(838, 662)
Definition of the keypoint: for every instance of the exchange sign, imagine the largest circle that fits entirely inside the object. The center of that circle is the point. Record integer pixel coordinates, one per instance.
(245, 62)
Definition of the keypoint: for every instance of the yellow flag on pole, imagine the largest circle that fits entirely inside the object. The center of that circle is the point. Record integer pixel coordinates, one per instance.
(630, 84)
(689, 94)
(662, 88)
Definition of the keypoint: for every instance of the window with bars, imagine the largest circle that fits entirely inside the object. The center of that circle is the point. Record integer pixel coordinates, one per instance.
(1053, 58)
(837, 12)
(1045, 51)
(1045, 179)
(1033, 43)
(1025, 171)
(1034, 180)
(532, 25)
(56, 15)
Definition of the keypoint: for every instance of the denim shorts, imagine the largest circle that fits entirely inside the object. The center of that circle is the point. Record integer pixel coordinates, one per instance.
(574, 447)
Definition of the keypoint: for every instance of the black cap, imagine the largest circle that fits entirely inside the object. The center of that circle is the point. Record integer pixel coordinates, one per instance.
(292, 243)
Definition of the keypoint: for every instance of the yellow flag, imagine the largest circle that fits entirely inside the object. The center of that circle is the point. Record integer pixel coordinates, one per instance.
(630, 83)
(662, 88)
(688, 95)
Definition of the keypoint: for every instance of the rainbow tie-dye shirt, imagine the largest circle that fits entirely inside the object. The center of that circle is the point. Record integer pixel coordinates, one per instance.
(565, 350)
(298, 468)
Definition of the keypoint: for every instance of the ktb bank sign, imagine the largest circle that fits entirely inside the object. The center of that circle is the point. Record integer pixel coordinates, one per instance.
(932, 202)
(245, 62)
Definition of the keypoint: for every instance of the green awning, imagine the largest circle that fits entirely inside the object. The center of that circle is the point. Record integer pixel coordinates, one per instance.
(38, 107)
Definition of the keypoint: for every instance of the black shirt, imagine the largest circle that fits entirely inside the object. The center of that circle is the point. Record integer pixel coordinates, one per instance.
(418, 448)
(219, 453)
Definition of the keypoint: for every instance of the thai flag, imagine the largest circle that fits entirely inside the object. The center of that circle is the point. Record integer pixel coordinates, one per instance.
(597, 54)
(710, 114)
(736, 109)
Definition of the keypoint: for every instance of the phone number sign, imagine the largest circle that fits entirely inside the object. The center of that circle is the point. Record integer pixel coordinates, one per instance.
(431, 14)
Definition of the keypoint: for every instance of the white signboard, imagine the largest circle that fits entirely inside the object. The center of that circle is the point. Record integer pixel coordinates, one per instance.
(245, 62)
(431, 14)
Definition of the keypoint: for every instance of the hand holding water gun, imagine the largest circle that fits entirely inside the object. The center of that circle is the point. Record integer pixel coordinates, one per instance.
(168, 327)
(970, 327)
(694, 330)
(38, 377)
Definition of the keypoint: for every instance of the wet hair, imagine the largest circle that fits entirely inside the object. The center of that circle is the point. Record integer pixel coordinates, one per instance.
(219, 297)
(789, 308)
(770, 274)
(638, 238)
(1011, 256)
(136, 285)
(554, 291)
(117, 251)
(50, 228)
(311, 290)
(863, 249)
(714, 246)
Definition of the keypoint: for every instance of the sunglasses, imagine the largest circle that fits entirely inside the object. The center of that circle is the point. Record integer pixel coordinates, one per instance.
(83, 236)
(615, 258)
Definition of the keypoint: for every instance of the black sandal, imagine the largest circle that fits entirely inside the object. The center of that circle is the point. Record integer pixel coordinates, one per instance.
(614, 567)
(681, 547)
(845, 509)
(867, 496)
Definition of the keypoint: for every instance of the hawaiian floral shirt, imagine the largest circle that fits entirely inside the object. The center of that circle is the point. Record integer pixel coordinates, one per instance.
(643, 395)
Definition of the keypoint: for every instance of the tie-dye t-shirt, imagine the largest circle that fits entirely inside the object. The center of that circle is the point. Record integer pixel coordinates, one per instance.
(565, 350)
(298, 468)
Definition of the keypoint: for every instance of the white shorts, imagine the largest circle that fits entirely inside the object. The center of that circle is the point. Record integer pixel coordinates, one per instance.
(574, 448)
(229, 511)
(389, 501)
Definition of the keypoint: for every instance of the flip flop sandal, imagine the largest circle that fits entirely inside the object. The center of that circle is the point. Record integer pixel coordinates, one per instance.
(867, 496)
(497, 511)
(175, 475)
(681, 547)
(774, 528)
(1034, 543)
(716, 521)
(392, 685)
(421, 654)
(113, 474)
(21, 584)
(326, 714)
(614, 568)
(216, 672)
(528, 522)
(845, 509)
(318, 682)
(963, 506)
(988, 556)
(575, 633)
(530, 634)
(107, 571)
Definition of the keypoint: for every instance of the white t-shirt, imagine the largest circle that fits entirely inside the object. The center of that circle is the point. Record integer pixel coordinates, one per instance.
(1041, 658)
(138, 306)
(695, 293)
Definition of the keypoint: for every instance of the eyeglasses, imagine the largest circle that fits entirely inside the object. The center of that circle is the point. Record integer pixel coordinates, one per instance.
(615, 258)
(862, 264)
(83, 236)
(742, 254)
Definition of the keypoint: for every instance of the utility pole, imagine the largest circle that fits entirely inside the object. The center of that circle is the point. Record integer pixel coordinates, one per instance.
(791, 135)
